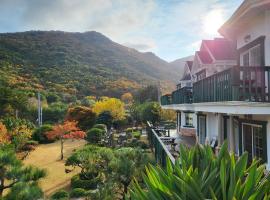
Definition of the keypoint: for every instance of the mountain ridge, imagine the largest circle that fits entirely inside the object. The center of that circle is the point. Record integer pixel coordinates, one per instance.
(87, 63)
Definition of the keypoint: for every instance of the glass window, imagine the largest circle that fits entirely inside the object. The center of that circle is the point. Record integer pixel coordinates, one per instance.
(252, 57)
(257, 140)
(255, 56)
(189, 119)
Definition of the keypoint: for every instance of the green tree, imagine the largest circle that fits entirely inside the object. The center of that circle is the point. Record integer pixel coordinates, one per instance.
(147, 94)
(199, 174)
(128, 164)
(151, 111)
(19, 179)
(12, 102)
(105, 118)
(95, 135)
(55, 113)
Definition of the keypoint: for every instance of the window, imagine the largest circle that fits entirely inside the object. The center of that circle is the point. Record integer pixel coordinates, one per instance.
(253, 140)
(251, 57)
(189, 119)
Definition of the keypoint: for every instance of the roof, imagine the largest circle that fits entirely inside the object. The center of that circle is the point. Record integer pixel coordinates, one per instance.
(221, 48)
(189, 64)
(243, 12)
(204, 57)
(186, 77)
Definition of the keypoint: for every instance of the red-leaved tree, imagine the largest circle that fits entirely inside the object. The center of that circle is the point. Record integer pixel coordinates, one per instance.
(67, 130)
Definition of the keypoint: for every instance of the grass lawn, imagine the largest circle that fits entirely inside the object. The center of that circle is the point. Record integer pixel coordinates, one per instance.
(47, 156)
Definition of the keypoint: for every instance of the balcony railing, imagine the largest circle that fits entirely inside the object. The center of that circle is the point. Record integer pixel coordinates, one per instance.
(182, 95)
(166, 99)
(158, 147)
(250, 84)
(234, 84)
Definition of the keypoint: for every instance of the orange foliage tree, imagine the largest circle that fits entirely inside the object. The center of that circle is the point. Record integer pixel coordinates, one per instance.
(67, 130)
(127, 98)
(4, 136)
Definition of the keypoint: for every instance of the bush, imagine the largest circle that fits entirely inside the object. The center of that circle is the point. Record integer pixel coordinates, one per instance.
(40, 134)
(78, 192)
(136, 134)
(77, 182)
(100, 126)
(62, 194)
(94, 135)
(32, 142)
(129, 130)
(28, 147)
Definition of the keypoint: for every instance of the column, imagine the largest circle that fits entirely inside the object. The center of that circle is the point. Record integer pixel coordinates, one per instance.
(178, 121)
(219, 127)
(231, 135)
(220, 132)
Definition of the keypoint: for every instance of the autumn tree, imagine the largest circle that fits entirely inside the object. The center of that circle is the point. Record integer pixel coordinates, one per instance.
(85, 117)
(67, 130)
(113, 105)
(127, 98)
(4, 136)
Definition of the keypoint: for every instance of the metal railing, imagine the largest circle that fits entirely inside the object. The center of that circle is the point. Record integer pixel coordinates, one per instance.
(246, 83)
(158, 147)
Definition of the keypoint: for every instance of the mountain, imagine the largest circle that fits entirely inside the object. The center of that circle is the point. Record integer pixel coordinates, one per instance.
(78, 64)
(178, 65)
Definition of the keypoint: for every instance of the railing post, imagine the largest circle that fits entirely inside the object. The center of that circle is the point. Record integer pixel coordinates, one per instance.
(235, 83)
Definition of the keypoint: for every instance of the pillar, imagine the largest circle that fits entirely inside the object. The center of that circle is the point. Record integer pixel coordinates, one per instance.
(231, 135)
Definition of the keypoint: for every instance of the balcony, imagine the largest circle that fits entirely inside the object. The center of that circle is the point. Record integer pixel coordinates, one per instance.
(248, 84)
(182, 95)
(179, 96)
(166, 99)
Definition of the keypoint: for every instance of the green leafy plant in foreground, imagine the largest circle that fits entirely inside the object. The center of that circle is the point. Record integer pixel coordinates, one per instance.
(198, 175)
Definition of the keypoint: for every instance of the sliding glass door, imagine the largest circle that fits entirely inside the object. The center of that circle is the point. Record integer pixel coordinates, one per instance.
(252, 140)
(202, 128)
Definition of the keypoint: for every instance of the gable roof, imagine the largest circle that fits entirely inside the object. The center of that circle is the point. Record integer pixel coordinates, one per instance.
(244, 12)
(220, 48)
(204, 57)
(189, 64)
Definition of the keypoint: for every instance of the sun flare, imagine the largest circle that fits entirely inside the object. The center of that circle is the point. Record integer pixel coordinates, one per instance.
(213, 21)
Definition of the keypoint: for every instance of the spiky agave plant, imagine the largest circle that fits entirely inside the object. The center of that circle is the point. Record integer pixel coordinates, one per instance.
(198, 175)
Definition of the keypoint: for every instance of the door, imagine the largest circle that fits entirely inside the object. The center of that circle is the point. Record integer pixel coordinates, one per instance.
(247, 140)
(253, 140)
(202, 128)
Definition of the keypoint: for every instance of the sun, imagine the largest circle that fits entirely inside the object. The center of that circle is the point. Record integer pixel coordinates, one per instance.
(213, 21)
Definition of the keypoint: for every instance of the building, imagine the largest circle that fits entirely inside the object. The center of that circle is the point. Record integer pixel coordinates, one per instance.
(230, 99)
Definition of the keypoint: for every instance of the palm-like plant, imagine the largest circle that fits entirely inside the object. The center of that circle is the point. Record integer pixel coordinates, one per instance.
(198, 175)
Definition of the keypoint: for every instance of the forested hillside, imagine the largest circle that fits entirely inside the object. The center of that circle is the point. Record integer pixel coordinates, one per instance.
(77, 64)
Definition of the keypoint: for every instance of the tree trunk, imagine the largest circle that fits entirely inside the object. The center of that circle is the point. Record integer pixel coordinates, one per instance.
(2, 187)
(62, 148)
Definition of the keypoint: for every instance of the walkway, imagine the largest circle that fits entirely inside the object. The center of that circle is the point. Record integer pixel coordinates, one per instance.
(46, 156)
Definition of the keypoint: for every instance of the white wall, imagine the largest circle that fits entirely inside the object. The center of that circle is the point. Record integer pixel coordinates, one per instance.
(256, 27)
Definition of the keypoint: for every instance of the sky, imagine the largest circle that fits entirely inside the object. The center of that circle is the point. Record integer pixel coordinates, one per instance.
(171, 29)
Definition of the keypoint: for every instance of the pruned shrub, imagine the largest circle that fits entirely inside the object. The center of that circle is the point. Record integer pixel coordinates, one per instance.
(78, 192)
(136, 134)
(100, 126)
(94, 135)
(129, 130)
(77, 182)
(62, 194)
(40, 134)
(32, 142)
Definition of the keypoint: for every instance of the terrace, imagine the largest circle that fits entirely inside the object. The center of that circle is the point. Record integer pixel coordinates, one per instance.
(165, 143)
(247, 84)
